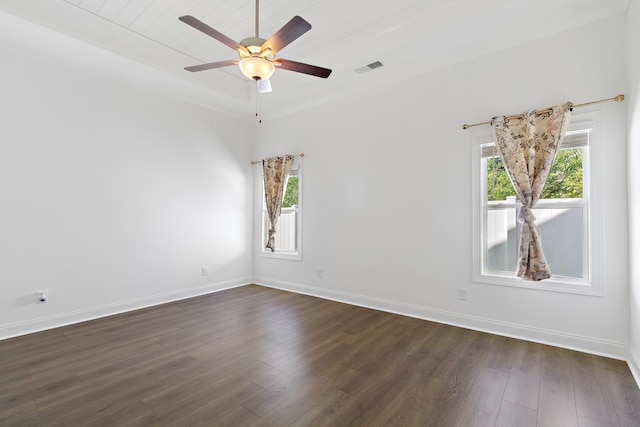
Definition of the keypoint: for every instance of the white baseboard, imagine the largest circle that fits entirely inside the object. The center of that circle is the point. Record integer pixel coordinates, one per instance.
(634, 365)
(77, 316)
(558, 339)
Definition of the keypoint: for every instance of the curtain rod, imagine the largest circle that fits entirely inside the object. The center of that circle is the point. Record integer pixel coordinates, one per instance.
(519, 116)
(260, 161)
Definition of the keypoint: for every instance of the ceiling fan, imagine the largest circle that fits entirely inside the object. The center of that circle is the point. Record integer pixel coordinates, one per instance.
(258, 56)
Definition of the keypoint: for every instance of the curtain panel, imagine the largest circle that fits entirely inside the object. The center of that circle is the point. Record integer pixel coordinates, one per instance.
(276, 172)
(528, 145)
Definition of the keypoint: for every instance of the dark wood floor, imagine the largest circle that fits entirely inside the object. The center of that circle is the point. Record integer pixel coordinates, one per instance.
(255, 356)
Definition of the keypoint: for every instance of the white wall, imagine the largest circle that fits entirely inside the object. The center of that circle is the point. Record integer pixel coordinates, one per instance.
(378, 162)
(633, 104)
(112, 196)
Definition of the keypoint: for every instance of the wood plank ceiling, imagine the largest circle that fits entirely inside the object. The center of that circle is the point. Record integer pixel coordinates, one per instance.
(409, 37)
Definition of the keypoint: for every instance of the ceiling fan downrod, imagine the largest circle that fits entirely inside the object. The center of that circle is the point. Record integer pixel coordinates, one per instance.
(257, 18)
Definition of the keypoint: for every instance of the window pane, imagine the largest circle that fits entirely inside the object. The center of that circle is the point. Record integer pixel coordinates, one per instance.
(564, 181)
(287, 227)
(290, 197)
(565, 178)
(499, 185)
(502, 239)
(561, 232)
(286, 230)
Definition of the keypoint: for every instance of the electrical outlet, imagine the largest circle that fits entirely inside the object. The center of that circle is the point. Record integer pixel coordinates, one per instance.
(205, 271)
(320, 273)
(42, 296)
(462, 294)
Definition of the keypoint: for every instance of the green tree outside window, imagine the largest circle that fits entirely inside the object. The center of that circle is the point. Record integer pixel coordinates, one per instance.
(291, 194)
(564, 181)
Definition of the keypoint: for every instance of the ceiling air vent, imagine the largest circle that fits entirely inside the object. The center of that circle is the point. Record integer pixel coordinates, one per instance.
(369, 67)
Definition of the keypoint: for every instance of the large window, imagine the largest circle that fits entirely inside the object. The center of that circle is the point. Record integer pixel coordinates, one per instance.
(563, 218)
(288, 227)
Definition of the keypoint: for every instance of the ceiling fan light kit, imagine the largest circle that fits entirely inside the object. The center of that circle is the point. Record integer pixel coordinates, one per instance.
(264, 86)
(257, 68)
(257, 55)
(256, 63)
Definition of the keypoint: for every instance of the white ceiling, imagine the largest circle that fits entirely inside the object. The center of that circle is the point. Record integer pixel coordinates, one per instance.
(410, 37)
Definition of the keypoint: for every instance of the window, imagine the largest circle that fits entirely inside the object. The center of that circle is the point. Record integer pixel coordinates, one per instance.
(563, 217)
(288, 227)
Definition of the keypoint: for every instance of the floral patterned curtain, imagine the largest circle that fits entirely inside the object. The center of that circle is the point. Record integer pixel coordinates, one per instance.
(528, 145)
(276, 173)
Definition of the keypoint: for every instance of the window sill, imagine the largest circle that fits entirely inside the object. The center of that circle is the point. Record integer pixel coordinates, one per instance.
(294, 256)
(554, 284)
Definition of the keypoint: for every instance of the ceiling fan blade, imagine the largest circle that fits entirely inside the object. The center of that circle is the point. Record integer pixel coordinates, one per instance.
(264, 85)
(211, 65)
(201, 26)
(285, 35)
(299, 67)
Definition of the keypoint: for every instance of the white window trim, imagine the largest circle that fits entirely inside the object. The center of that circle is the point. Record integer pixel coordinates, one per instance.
(593, 285)
(266, 253)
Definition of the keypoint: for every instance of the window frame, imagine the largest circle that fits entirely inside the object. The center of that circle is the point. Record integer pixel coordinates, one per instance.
(591, 284)
(266, 253)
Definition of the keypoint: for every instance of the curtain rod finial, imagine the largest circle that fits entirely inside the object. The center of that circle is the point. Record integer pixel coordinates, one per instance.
(465, 126)
(619, 98)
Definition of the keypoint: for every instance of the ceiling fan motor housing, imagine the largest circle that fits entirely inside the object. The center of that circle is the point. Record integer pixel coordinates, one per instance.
(254, 46)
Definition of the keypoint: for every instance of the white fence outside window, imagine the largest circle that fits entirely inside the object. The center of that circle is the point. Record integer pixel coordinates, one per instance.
(561, 232)
(286, 230)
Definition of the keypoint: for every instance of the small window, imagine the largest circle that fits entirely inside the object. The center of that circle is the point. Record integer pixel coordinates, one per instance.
(288, 227)
(562, 217)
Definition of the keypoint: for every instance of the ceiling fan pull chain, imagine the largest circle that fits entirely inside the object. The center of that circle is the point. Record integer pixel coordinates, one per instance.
(258, 108)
